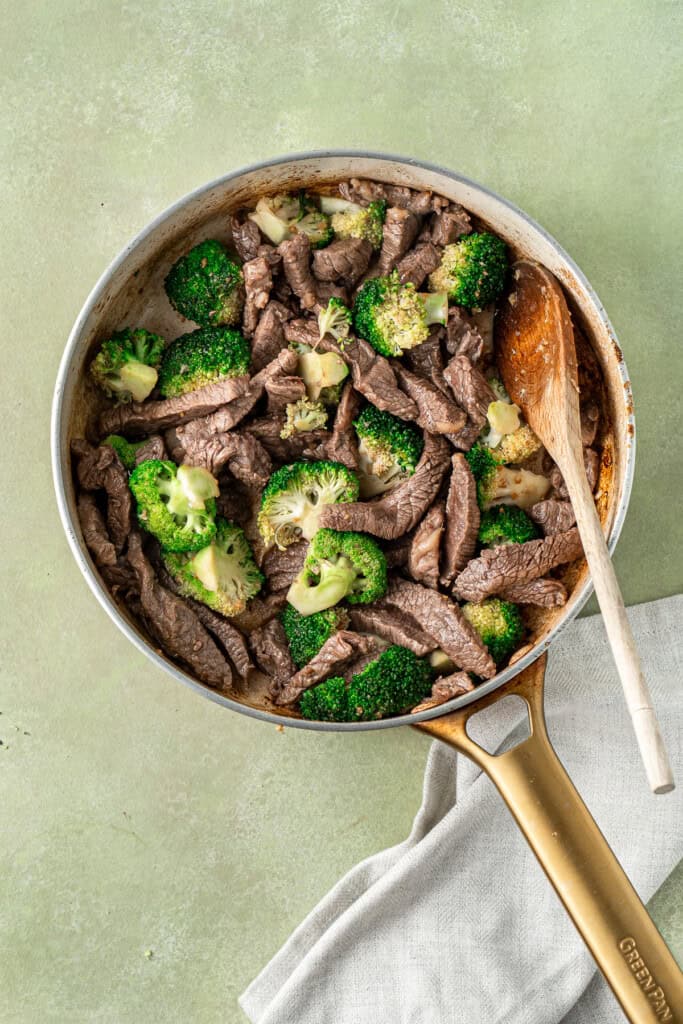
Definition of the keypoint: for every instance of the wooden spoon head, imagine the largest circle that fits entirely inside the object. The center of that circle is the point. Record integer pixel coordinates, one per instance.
(536, 354)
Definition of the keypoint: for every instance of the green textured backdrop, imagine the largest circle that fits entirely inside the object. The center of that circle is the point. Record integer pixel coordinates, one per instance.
(135, 816)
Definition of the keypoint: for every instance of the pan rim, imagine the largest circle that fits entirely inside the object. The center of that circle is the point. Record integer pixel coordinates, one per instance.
(85, 564)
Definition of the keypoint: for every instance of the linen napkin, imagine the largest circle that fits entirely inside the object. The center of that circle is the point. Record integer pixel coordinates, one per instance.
(458, 923)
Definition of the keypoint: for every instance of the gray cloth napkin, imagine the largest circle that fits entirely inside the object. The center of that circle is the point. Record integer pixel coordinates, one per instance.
(458, 922)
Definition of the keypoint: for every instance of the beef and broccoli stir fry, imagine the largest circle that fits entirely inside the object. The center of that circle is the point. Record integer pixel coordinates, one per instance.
(322, 475)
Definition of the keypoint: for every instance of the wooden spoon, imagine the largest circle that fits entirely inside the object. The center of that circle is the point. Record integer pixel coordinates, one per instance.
(537, 359)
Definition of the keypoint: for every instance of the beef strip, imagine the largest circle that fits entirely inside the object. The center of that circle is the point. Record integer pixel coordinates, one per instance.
(400, 228)
(400, 509)
(364, 192)
(271, 651)
(425, 547)
(303, 332)
(308, 443)
(234, 503)
(444, 689)
(229, 637)
(418, 263)
(95, 532)
(153, 448)
(448, 225)
(246, 238)
(553, 516)
(345, 260)
(282, 567)
(427, 359)
(175, 626)
(339, 649)
(238, 452)
(393, 626)
(373, 376)
(590, 420)
(473, 392)
(259, 611)
(462, 337)
(342, 446)
(296, 263)
(327, 290)
(258, 284)
(101, 469)
(269, 336)
(282, 389)
(443, 620)
(591, 461)
(397, 552)
(462, 520)
(437, 413)
(499, 568)
(145, 417)
(544, 592)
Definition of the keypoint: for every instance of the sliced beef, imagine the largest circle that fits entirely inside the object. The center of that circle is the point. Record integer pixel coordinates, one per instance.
(443, 620)
(403, 507)
(175, 626)
(282, 567)
(462, 520)
(393, 626)
(447, 226)
(373, 377)
(153, 448)
(462, 337)
(590, 420)
(241, 453)
(437, 413)
(553, 516)
(400, 228)
(258, 284)
(269, 336)
(364, 192)
(246, 238)
(296, 263)
(418, 263)
(101, 469)
(259, 611)
(397, 552)
(94, 531)
(145, 417)
(304, 332)
(427, 359)
(234, 503)
(283, 388)
(498, 568)
(345, 260)
(229, 637)
(342, 446)
(444, 689)
(473, 392)
(327, 290)
(546, 593)
(591, 461)
(336, 652)
(309, 444)
(271, 651)
(425, 548)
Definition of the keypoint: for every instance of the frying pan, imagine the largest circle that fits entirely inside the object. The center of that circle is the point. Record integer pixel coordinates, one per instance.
(572, 851)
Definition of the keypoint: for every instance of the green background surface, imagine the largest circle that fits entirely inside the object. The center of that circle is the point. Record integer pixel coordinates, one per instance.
(135, 816)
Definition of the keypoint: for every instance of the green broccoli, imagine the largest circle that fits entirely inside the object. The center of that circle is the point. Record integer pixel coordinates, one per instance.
(327, 702)
(499, 484)
(307, 633)
(519, 445)
(339, 565)
(506, 524)
(205, 285)
(393, 316)
(361, 222)
(176, 504)
(498, 623)
(283, 216)
(223, 575)
(126, 450)
(303, 415)
(472, 271)
(126, 365)
(295, 495)
(389, 450)
(335, 319)
(393, 683)
(202, 357)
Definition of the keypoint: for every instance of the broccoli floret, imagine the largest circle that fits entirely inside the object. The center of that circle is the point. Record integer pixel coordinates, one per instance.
(519, 445)
(126, 450)
(361, 222)
(307, 633)
(176, 504)
(201, 357)
(206, 286)
(327, 702)
(322, 372)
(294, 496)
(393, 316)
(390, 685)
(506, 524)
(389, 449)
(280, 217)
(498, 623)
(335, 319)
(472, 271)
(500, 485)
(512, 439)
(303, 415)
(126, 365)
(223, 575)
(339, 564)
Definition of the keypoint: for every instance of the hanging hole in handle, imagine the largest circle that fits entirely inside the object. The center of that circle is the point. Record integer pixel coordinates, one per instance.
(501, 726)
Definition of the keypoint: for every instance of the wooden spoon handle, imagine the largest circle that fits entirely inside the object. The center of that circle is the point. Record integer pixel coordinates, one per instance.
(622, 642)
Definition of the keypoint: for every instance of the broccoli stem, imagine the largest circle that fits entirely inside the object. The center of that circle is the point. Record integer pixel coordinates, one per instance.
(336, 581)
(137, 378)
(436, 306)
